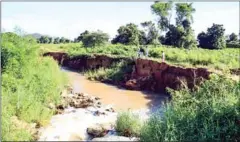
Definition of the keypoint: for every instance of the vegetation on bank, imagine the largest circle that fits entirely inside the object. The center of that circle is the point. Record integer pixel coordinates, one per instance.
(217, 59)
(113, 74)
(128, 124)
(29, 84)
(212, 113)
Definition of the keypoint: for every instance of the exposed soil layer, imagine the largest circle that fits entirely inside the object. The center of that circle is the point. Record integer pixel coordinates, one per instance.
(146, 75)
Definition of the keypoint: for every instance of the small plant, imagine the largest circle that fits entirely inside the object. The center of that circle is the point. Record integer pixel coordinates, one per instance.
(128, 124)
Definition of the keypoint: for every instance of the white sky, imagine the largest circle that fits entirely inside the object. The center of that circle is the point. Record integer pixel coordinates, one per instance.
(69, 19)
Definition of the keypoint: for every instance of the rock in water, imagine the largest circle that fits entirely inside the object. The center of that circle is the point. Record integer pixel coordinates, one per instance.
(115, 138)
(99, 130)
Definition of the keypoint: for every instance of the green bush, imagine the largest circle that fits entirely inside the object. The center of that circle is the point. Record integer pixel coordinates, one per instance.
(211, 113)
(115, 73)
(29, 84)
(128, 124)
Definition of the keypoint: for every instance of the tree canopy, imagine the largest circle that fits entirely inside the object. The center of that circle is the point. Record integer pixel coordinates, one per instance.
(92, 39)
(214, 37)
(128, 34)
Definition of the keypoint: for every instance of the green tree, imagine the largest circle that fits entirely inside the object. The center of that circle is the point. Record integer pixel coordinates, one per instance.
(182, 34)
(67, 40)
(151, 32)
(233, 37)
(214, 38)
(93, 39)
(184, 20)
(80, 37)
(129, 35)
(62, 40)
(163, 11)
(142, 38)
(44, 39)
(50, 40)
(184, 13)
(56, 40)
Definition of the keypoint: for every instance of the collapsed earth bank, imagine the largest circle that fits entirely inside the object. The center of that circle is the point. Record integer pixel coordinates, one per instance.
(146, 74)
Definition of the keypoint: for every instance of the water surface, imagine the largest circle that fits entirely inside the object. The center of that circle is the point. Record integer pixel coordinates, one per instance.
(119, 98)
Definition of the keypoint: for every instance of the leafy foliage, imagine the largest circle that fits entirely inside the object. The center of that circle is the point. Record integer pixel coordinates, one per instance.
(128, 124)
(213, 39)
(129, 35)
(29, 84)
(182, 34)
(232, 38)
(163, 11)
(114, 74)
(218, 59)
(94, 39)
(80, 37)
(57, 40)
(209, 114)
(151, 32)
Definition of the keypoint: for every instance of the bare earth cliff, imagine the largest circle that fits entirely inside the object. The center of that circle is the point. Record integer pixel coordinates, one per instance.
(146, 75)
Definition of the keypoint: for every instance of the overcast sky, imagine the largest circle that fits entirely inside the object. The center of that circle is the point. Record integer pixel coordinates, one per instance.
(69, 19)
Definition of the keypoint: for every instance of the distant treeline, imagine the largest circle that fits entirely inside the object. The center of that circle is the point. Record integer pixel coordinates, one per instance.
(179, 34)
(57, 40)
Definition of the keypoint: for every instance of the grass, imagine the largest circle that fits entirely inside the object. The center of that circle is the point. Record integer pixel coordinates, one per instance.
(113, 74)
(29, 84)
(212, 113)
(216, 59)
(128, 124)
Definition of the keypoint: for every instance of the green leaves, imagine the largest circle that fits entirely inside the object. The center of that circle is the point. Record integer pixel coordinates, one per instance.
(163, 11)
(29, 83)
(213, 38)
(182, 34)
(209, 113)
(128, 34)
(94, 39)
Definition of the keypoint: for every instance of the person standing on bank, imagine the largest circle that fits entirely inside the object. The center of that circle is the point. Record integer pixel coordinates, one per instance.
(163, 56)
(146, 51)
(140, 52)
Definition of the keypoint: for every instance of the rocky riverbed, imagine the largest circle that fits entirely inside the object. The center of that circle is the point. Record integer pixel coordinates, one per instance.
(82, 117)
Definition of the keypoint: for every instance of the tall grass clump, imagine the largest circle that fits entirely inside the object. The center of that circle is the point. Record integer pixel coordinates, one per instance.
(128, 124)
(114, 73)
(212, 113)
(29, 84)
(218, 59)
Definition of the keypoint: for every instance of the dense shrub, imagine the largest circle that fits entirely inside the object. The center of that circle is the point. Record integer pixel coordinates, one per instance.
(211, 113)
(128, 124)
(29, 84)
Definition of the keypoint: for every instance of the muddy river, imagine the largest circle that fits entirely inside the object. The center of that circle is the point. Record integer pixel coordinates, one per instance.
(119, 98)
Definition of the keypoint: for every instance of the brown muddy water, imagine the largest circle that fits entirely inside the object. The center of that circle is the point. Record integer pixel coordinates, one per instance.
(121, 99)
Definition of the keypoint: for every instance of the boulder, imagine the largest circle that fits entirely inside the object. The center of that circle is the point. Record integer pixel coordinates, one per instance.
(99, 130)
